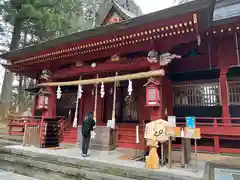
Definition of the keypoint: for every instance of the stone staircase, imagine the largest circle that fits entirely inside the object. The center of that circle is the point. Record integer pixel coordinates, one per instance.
(52, 167)
(5, 138)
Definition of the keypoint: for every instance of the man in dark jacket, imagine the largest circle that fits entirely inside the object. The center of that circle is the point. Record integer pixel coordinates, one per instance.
(87, 127)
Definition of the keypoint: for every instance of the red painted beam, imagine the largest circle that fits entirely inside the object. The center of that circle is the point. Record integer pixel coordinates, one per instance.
(222, 131)
(146, 46)
(158, 44)
(229, 150)
(199, 148)
(109, 67)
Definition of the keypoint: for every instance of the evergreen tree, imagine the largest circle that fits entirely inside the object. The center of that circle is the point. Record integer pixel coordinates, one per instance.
(45, 19)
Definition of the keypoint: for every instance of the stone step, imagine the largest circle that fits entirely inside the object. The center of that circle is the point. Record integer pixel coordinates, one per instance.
(52, 167)
(67, 145)
(7, 143)
(16, 138)
(51, 171)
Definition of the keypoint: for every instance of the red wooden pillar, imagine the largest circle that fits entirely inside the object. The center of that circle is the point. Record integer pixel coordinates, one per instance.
(224, 95)
(216, 139)
(169, 96)
(34, 105)
(216, 144)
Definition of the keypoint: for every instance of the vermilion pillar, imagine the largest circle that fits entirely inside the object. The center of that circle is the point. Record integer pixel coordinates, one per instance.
(34, 105)
(224, 95)
(168, 94)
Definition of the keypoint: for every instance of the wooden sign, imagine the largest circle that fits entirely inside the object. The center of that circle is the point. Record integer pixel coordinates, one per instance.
(160, 129)
(192, 133)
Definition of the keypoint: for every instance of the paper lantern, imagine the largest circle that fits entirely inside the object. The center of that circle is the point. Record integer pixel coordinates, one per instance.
(152, 93)
(42, 101)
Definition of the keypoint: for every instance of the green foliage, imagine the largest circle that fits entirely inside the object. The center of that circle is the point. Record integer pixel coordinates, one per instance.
(45, 19)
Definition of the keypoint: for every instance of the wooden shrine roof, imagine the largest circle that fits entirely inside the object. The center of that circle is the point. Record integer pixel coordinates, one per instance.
(204, 9)
(106, 7)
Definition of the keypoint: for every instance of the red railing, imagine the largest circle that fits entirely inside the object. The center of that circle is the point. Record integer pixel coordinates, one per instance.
(222, 126)
(217, 128)
(20, 122)
(212, 128)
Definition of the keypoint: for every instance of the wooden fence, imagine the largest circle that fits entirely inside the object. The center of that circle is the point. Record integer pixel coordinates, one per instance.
(31, 135)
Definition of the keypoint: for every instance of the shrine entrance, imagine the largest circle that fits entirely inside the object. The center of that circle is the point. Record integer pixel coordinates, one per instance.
(67, 104)
(127, 106)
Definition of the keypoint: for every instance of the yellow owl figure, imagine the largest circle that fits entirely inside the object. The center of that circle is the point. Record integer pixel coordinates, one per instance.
(156, 131)
(152, 160)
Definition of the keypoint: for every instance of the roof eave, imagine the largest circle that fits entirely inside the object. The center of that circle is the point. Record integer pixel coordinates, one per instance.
(230, 20)
(203, 6)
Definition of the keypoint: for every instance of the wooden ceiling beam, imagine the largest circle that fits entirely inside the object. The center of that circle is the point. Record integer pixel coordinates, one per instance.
(141, 63)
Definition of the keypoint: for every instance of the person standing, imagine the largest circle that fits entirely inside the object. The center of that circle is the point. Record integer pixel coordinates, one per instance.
(87, 126)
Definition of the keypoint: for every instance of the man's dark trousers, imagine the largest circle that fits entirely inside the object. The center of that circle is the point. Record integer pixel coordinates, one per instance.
(85, 143)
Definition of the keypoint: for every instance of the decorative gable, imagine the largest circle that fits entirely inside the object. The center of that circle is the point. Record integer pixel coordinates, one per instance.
(111, 12)
(114, 18)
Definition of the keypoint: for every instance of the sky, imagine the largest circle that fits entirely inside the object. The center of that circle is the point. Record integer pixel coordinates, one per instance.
(149, 6)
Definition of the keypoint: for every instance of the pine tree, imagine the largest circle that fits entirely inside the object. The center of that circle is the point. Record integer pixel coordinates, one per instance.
(45, 19)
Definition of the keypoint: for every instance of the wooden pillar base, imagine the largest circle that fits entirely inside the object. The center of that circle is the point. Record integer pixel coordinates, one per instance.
(224, 96)
(216, 144)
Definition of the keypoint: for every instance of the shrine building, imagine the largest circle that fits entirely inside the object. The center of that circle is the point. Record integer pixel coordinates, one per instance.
(181, 61)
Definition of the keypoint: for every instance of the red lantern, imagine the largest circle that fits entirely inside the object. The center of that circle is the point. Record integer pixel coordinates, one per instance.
(152, 93)
(42, 102)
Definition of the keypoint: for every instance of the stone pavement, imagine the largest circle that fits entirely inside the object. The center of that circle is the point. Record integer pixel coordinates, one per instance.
(113, 158)
(226, 174)
(5, 175)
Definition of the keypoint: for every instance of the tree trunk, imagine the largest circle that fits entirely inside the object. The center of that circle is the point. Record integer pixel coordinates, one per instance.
(20, 92)
(6, 94)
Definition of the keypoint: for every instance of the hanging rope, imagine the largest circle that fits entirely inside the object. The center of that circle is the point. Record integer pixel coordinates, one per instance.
(76, 108)
(114, 103)
(95, 102)
(126, 77)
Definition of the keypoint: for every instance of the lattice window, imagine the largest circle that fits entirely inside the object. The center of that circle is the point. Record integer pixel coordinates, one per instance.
(196, 94)
(234, 93)
(126, 106)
